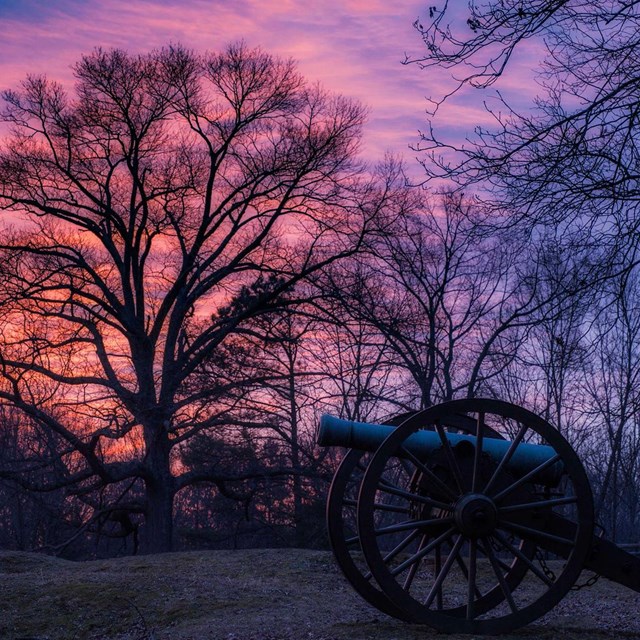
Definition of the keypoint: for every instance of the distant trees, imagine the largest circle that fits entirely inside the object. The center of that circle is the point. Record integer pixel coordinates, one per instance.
(264, 454)
(613, 394)
(578, 367)
(149, 219)
(28, 520)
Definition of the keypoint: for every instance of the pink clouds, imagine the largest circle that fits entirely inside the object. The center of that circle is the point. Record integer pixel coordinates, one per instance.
(354, 47)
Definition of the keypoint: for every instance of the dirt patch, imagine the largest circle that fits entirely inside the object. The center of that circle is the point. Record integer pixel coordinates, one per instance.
(261, 594)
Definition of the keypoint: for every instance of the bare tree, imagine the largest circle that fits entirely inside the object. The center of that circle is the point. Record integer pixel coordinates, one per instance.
(549, 368)
(566, 168)
(613, 390)
(449, 303)
(148, 218)
(572, 159)
(359, 378)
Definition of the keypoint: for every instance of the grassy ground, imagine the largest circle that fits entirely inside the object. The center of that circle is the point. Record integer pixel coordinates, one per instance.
(243, 595)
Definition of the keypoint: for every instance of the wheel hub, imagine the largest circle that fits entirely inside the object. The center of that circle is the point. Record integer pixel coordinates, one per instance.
(475, 515)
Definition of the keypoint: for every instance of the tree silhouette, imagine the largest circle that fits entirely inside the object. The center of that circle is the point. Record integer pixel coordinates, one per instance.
(149, 217)
(571, 160)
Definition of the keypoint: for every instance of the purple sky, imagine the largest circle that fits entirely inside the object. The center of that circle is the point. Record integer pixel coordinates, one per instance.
(354, 47)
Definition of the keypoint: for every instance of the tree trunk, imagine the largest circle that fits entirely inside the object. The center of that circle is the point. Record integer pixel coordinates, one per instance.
(158, 529)
(160, 492)
(298, 517)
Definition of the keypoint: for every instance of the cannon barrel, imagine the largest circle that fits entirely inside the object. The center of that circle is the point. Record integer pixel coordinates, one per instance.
(423, 444)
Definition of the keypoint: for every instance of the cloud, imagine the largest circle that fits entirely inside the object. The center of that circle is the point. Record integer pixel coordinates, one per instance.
(354, 47)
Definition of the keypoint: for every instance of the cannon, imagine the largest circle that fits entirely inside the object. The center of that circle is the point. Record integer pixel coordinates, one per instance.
(472, 516)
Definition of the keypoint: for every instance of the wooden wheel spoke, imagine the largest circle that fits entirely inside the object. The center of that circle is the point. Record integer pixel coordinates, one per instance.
(451, 458)
(414, 497)
(401, 546)
(395, 551)
(412, 524)
(529, 533)
(503, 564)
(475, 478)
(536, 505)
(438, 567)
(352, 540)
(495, 564)
(442, 487)
(444, 572)
(423, 552)
(382, 506)
(521, 556)
(414, 567)
(471, 580)
(527, 477)
(506, 457)
(465, 572)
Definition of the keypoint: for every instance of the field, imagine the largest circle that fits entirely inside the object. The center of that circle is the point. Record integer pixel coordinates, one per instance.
(283, 594)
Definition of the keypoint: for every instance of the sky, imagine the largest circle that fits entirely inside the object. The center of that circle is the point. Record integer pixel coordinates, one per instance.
(353, 47)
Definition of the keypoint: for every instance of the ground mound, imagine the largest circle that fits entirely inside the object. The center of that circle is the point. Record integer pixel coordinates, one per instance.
(260, 594)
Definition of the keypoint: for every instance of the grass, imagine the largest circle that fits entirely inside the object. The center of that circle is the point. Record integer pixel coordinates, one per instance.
(283, 594)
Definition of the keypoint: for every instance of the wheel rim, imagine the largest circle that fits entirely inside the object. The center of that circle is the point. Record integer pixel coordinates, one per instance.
(343, 535)
(480, 527)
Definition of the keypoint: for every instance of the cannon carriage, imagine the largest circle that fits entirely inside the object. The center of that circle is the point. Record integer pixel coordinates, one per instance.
(472, 516)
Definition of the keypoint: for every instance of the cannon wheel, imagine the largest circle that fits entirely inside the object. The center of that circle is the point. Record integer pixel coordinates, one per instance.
(479, 523)
(343, 538)
(345, 542)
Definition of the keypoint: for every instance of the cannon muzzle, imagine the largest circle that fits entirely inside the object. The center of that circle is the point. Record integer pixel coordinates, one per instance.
(424, 444)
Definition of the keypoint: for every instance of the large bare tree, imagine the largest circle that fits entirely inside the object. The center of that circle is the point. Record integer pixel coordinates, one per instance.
(149, 216)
